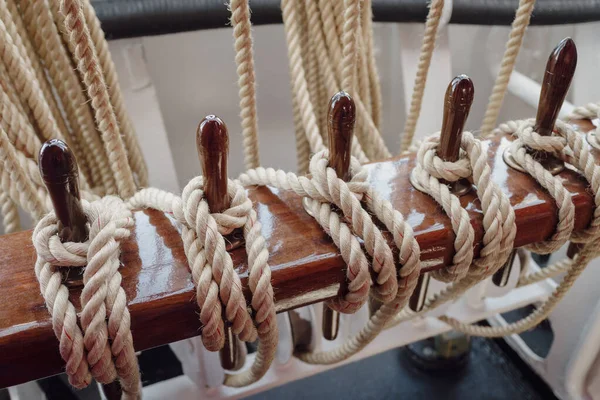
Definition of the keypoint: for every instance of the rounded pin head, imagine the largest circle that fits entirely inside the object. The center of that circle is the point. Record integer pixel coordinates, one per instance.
(560, 69)
(340, 126)
(457, 104)
(59, 171)
(212, 142)
(57, 162)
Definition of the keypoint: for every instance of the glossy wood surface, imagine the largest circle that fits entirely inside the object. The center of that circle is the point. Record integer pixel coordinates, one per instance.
(306, 266)
(341, 118)
(59, 172)
(457, 104)
(212, 143)
(560, 69)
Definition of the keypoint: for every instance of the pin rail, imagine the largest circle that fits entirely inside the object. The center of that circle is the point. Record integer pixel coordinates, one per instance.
(306, 266)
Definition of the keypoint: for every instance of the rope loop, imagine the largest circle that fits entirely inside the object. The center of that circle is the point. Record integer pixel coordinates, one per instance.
(450, 171)
(347, 197)
(498, 215)
(570, 147)
(234, 217)
(104, 314)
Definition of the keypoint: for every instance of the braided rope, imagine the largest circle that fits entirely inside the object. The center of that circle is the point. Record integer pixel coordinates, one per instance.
(324, 188)
(590, 111)
(107, 66)
(16, 29)
(244, 59)
(84, 52)
(27, 86)
(375, 86)
(14, 182)
(10, 214)
(507, 65)
(570, 147)
(431, 29)
(47, 41)
(299, 85)
(213, 274)
(16, 125)
(104, 312)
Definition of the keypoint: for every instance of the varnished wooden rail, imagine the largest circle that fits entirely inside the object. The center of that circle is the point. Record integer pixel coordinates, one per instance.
(307, 267)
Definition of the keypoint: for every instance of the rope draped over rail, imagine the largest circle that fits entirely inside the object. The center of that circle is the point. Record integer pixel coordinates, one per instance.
(330, 47)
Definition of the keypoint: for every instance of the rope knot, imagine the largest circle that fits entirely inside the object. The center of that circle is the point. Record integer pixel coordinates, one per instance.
(193, 206)
(102, 215)
(104, 313)
(554, 143)
(450, 171)
(328, 183)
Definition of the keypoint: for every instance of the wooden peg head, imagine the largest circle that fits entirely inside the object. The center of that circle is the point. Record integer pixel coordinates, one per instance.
(59, 172)
(557, 79)
(212, 143)
(340, 128)
(457, 104)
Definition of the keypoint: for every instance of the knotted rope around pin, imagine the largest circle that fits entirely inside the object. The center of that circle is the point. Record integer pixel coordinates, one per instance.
(570, 147)
(104, 313)
(498, 217)
(322, 190)
(216, 281)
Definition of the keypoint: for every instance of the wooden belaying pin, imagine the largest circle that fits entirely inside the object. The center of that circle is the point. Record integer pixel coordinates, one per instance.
(457, 104)
(212, 143)
(59, 171)
(560, 69)
(341, 117)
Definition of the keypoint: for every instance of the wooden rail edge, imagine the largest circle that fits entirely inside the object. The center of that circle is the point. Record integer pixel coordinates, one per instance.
(306, 266)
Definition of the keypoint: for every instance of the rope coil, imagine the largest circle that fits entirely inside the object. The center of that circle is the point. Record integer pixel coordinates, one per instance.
(104, 314)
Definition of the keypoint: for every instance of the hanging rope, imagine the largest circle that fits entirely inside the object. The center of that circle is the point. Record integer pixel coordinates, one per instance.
(244, 58)
(507, 65)
(431, 30)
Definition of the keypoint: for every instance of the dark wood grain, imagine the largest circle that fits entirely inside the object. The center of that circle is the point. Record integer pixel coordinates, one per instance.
(341, 117)
(306, 265)
(59, 171)
(340, 129)
(560, 69)
(212, 143)
(457, 104)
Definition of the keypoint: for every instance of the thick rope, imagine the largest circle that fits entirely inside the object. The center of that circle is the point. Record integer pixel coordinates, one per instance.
(244, 59)
(431, 30)
(47, 42)
(134, 152)
(104, 312)
(299, 86)
(570, 147)
(325, 187)
(590, 111)
(507, 65)
(10, 214)
(14, 181)
(213, 274)
(84, 53)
